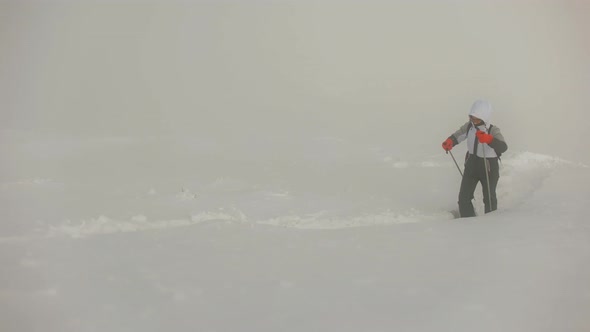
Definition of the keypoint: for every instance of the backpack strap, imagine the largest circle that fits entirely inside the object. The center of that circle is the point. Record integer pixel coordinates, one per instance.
(499, 154)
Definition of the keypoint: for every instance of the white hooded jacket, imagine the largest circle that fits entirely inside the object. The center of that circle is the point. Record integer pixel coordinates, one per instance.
(483, 110)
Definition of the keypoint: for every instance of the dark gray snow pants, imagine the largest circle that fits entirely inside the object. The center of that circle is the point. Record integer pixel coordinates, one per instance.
(475, 172)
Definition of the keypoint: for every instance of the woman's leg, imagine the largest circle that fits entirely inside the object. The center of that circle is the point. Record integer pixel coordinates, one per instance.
(494, 176)
(468, 185)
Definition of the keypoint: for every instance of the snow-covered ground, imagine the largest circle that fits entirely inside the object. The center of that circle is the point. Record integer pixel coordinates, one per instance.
(181, 234)
(275, 165)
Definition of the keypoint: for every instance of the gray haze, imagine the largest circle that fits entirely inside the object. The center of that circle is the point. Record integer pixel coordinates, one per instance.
(397, 73)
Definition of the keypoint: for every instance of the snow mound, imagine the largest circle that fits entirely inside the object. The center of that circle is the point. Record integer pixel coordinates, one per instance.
(527, 160)
(522, 174)
(105, 225)
(323, 221)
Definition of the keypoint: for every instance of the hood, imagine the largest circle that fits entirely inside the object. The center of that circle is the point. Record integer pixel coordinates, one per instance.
(482, 109)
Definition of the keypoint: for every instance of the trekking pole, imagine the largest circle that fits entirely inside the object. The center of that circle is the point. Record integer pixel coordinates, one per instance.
(458, 168)
(485, 165)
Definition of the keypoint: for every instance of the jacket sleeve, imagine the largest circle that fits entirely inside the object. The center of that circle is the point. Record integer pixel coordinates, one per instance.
(461, 134)
(498, 143)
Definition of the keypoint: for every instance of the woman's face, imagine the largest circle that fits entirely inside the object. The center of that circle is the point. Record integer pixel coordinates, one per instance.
(476, 121)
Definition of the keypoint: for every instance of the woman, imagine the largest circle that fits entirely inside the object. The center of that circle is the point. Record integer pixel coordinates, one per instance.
(485, 143)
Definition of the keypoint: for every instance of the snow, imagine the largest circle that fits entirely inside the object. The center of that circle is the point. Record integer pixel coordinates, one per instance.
(276, 166)
(247, 251)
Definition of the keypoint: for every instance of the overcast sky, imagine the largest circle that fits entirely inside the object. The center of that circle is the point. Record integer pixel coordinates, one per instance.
(404, 72)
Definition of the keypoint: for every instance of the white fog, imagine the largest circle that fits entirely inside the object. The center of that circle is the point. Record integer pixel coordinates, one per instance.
(277, 165)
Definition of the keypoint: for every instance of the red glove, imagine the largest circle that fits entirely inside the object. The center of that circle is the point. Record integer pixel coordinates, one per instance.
(448, 144)
(483, 137)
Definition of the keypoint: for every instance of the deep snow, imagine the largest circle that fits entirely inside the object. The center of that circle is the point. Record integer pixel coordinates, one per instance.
(93, 242)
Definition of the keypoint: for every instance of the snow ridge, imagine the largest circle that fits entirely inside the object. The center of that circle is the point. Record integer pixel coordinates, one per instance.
(105, 225)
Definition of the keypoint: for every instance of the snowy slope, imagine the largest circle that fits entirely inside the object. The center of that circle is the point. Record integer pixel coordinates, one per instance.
(97, 236)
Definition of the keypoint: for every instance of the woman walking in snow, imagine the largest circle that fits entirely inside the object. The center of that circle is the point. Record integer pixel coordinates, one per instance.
(485, 143)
